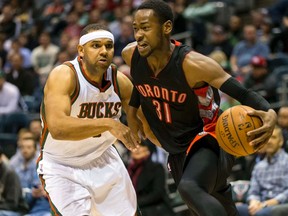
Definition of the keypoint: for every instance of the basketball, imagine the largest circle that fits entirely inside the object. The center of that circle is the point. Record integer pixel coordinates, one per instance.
(232, 127)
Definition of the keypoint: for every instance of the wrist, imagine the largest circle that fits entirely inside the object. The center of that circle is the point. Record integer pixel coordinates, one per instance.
(264, 204)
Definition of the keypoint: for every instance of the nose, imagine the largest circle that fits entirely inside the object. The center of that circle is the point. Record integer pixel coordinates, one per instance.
(138, 35)
(103, 50)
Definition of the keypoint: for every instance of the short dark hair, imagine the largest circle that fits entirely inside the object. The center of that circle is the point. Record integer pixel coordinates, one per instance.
(162, 10)
(93, 27)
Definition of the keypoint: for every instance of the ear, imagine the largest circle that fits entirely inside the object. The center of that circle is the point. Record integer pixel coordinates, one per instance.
(80, 49)
(167, 27)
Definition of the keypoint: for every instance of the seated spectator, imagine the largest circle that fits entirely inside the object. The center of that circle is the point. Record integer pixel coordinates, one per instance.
(44, 56)
(235, 33)
(8, 24)
(260, 80)
(279, 41)
(21, 77)
(36, 129)
(23, 134)
(35, 195)
(283, 123)
(219, 42)
(150, 188)
(11, 199)
(125, 37)
(198, 14)
(244, 51)
(9, 95)
(17, 48)
(268, 192)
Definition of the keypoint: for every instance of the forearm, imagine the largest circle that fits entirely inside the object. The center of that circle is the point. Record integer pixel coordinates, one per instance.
(70, 128)
(234, 89)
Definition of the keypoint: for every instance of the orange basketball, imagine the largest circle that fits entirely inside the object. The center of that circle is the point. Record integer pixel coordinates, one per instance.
(232, 127)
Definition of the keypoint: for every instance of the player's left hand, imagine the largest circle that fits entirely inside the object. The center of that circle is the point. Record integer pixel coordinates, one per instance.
(262, 134)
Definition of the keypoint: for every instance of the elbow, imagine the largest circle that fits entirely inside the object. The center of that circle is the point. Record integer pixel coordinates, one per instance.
(57, 134)
(56, 131)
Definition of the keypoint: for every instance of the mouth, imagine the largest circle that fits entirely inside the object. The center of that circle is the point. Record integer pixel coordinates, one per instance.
(103, 60)
(141, 46)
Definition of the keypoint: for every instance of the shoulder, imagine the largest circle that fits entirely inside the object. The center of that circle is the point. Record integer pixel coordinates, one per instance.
(200, 69)
(128, 51)
(61, 72)
(61, 75)
(123, 81)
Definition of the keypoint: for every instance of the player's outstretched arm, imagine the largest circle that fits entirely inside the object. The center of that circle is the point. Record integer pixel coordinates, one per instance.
(200, 69)
(57, 101)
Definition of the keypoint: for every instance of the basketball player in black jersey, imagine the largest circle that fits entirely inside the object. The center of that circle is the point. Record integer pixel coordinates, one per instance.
(177, 91)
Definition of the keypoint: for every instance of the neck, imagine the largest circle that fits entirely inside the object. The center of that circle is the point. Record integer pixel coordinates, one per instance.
(159, 59)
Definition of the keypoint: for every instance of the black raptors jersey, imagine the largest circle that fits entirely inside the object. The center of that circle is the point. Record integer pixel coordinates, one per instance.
(175, 112)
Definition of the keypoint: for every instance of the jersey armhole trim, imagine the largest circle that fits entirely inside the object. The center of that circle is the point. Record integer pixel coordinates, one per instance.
(115, 80)
(76, 91)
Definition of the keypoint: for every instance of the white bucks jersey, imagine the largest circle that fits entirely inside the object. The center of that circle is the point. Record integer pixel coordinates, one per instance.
(88, 102)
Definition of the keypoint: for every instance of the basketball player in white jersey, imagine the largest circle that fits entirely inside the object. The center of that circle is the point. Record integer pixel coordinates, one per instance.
(79, 168)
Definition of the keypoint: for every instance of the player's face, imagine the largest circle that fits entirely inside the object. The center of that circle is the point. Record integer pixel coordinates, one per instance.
(97, 54)
(147, 31)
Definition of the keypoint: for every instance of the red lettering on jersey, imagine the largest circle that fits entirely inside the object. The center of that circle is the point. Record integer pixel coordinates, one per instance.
(149, 90)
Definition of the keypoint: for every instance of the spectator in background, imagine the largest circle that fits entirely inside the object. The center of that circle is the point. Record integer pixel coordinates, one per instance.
(16, 47)
(279, 41)
(235, 33)
(198, 14)
(125, 37)
(261, 80)
(72, 27)
(268, 191)
(34, 193)
(283, 123)
(62, 57)
(72, 47)
(21, 77)
(180, 24)
(219, 41)
(11, 200)
(277, 10)
(150, 188)
(36, 129)
(9, 95)
(245, 50)
(265, 32)
(8, 25)
(44, 56)
(22, 135)
(3, 52)
(80, 8)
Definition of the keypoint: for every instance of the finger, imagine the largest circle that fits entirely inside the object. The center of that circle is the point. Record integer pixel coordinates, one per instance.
(257, 131)
(259, 140)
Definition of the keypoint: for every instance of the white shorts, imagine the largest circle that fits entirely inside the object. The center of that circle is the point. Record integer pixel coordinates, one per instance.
(102, 188)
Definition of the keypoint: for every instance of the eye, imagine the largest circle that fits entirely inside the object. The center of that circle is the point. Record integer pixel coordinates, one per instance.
(109, 46)
(96, 45)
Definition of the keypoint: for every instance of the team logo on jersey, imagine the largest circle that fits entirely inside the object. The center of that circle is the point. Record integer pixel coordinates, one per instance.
(159, 92)
(99, 110)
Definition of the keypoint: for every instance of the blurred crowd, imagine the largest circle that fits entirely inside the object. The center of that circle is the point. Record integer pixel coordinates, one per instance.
(250, 43)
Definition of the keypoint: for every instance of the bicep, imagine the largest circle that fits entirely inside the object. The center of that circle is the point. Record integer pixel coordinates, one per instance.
(200, 69)
(57, 95)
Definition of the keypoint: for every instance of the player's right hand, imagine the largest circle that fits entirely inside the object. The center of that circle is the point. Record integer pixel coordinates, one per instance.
(125, 135)
(136, 126)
